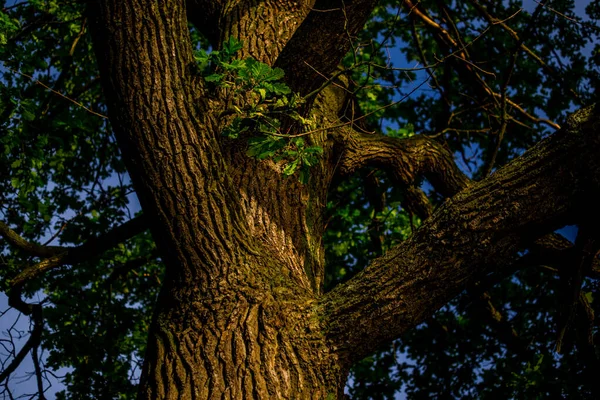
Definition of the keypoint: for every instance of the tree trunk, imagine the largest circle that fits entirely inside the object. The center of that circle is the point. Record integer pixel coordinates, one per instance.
(262, 340)
(236, 317)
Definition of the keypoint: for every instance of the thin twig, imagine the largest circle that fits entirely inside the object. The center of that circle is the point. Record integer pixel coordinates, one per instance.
(58, 93)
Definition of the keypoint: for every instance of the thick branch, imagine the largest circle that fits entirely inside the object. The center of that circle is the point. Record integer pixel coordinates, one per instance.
(263, 26)
(321, 42)
(555, 249)
(108, 240)
(34, 249)
(552, 251)
(74, 255)
(406, 159)
(484, 226)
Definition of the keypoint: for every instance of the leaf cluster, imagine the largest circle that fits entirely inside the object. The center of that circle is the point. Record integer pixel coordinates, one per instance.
(270, 101)
(8, 26)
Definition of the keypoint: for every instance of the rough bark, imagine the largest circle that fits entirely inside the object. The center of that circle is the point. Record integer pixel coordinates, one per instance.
(405, 159)
(241, 313)
(264, 25)
(324, 37)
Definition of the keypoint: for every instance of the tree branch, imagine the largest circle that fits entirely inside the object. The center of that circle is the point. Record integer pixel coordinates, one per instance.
(547, 68)
(503, 327)
(108, 240)
(320, 43)
(481, 228)
(34, 249)
(67, 256)
(406, 159)
(59, 256)
(552, 251)
(32, 342)
(555, 249)
(465, 67)
(263, 26)
(38, 373)
(74, 255)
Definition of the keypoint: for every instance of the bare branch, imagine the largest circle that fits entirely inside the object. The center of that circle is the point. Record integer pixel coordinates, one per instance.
(547, 68)
(78, 104)
(33, 249)
(32, 342)
(108, 240)
(464, 66)
(555, 250)
(503, 327)
(416, 202)
(406, 159)
(586, 247)
(62, 256)
(38, 373)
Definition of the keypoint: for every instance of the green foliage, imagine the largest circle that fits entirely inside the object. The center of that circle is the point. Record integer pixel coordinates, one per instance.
(407, 131)
(353, 221)
(270, 101)
(62, 178)
(8, 26)
(105, 306)
(209, 62)
(531, 378)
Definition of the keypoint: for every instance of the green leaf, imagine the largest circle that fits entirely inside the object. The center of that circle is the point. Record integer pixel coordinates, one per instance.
(298, 142)
(266, 146)
(303, 176)
(290, 168)
(216, 78)
(262, 92)
(314, 150)
(234, 129)
(202, 58)
(279, 88)
(281, 102)
(27, 114)
(234, 65)
(274, 74)
(232, 46)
